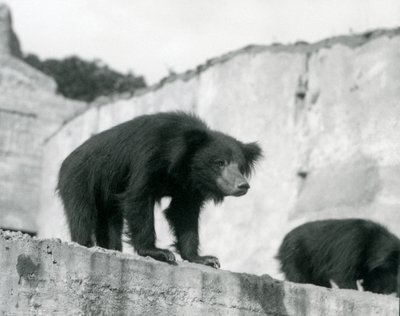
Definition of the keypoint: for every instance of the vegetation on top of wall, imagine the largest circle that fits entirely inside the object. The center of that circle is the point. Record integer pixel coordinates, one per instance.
(85, 80)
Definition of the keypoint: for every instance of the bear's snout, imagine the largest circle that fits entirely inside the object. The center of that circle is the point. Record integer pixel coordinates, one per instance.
(232, 182)
(242, 188)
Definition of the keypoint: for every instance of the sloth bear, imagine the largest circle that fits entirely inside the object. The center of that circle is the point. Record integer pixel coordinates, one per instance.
(122, 172)
(342, 251)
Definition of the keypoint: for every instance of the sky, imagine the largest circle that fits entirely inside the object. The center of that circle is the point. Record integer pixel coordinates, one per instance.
(149, 37)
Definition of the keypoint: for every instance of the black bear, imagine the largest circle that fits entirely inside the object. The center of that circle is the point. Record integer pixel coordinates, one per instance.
(342, 251)
(122, 172)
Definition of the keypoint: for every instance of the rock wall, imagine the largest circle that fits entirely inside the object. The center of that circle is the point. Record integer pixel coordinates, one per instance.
(47, 277)
(30, 111)
(326, 114)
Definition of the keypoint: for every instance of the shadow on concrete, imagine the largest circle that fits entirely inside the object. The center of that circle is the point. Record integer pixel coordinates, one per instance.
(265, 292)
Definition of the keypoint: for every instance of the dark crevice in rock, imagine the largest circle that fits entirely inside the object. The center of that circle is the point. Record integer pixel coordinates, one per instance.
(20, 113)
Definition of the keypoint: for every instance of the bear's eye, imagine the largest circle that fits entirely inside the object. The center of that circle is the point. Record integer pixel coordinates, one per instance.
(220, 163)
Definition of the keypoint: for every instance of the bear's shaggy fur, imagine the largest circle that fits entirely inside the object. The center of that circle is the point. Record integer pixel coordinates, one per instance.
(122, 172)
(342, 251)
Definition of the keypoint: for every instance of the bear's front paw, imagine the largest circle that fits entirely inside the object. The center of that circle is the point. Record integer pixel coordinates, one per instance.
(159, 254)
(208, 261)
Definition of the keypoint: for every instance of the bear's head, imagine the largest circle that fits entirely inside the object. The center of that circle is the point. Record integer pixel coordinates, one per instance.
(215, 164)
(382, 266)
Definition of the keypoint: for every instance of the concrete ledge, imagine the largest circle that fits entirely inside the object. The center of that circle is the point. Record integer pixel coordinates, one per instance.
(48, 277)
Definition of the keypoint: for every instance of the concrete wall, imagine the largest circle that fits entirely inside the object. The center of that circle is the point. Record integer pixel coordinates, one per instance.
(30, 111)
(327, 116)
(47, 277)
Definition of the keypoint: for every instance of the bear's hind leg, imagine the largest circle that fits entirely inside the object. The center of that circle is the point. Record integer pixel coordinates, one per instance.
(115, 225)
(102, 231)
(81, 221)
(109, 226)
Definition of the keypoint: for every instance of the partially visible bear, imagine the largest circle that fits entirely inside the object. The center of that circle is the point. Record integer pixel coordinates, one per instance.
(122, 172)
(342, 251)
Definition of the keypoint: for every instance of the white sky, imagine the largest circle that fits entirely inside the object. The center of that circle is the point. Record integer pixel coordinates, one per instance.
(150, 36)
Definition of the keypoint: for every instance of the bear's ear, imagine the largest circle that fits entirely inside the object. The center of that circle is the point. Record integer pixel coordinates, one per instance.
(252, 152)
(185, 148)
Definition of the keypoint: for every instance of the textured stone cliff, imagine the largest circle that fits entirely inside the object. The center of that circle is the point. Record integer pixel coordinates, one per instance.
(9, 44)
(30, 110)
